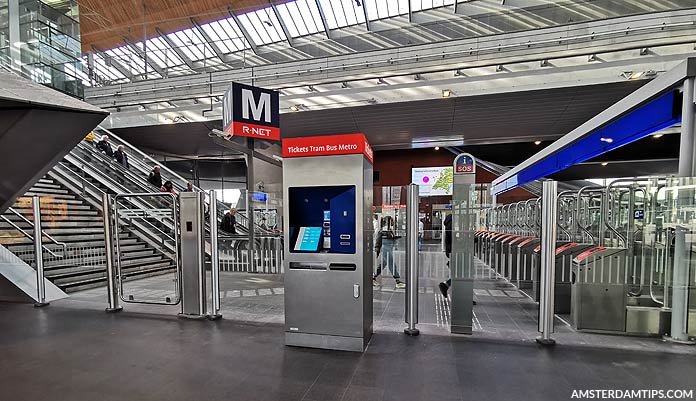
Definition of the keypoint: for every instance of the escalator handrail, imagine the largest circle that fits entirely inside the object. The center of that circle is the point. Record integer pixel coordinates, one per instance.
(181, 185)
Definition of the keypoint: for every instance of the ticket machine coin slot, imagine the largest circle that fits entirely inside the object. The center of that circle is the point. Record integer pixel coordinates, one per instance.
(343, 266)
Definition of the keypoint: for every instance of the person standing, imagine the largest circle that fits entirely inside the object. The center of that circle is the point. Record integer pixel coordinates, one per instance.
(155, 178)
(229, 222)
(105, 147)
(121, 157)
(189, 187)
(168, 187)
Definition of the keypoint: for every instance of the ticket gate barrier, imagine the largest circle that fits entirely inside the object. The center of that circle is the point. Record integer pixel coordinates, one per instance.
(177, 224)
(525, 251)
(598, 292)
(564, 254)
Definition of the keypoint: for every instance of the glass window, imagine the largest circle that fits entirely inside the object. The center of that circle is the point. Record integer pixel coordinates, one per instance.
(226, 35)
(159, 52)
(342, 13)
(263, 26)
(192, 44)
(301, 17)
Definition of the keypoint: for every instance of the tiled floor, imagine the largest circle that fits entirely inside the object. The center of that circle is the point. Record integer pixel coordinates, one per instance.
(74, 351)
(77, 354)
(503, 313)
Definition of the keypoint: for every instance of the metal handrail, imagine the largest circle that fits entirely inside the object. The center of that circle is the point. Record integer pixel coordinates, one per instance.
(99, 192)
(589, 189)
(26, 234)
(55, 241)
(139, 164)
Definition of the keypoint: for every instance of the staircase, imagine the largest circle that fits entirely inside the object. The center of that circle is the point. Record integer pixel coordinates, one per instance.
(74, 258)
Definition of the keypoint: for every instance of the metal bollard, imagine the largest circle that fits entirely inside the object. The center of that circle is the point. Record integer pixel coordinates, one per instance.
(38, 254)
(112, 288)
(548, 261)
(412, 260)
(214, 259)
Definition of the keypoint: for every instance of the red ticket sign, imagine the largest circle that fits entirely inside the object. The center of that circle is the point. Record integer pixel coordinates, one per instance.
(328, 146)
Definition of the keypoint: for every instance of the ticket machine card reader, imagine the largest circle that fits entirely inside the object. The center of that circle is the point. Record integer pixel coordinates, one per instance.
(327, 230)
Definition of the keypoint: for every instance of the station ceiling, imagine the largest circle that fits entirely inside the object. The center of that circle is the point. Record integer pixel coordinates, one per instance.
(500, 128)
(132, 40)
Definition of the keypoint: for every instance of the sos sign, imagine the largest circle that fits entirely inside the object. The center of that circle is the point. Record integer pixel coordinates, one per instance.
(464, 164)
(251, 111)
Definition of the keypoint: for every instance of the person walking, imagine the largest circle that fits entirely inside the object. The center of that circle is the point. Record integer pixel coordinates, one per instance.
(121, 157)
(229, 222)
(388, 238)
(155, 178)
(105, 147)
(445, 285)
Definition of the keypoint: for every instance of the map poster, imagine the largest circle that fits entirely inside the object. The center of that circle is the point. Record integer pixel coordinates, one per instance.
(433, 181)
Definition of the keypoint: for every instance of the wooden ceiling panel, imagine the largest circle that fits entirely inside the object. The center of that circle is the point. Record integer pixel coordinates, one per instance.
(104, 23)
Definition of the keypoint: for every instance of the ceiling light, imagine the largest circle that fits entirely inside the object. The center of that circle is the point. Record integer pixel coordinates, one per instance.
(381, 81)
(311, 88)
(544, 63)
(294, 108)
(344, 85)
(636, 75)
(459, 73)
(417, 77)
(657, 136)
(371, 101)
(537, 142)
(604, 163)
(446, 93)
(499, 68)
(607, 140)
(591, 58)
(437, 148)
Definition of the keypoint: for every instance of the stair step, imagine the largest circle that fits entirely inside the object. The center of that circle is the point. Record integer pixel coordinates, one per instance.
(52, 194)
(53, 224)
(72, 210)
(43, 191)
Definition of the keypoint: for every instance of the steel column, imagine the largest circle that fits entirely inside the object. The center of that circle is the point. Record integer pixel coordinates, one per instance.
(112, 288)
(38, 253)
(680, 274)
(214, 258)
(412, 201)
(549, 207)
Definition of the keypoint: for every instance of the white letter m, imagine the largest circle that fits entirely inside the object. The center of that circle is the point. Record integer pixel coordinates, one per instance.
(264, 105)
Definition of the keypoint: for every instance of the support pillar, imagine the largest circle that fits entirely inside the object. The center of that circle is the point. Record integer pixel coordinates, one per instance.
(549, 208)
(682, 249)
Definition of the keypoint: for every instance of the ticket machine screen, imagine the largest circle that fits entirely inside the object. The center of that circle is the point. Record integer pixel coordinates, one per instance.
(326, 214)
(308, 239)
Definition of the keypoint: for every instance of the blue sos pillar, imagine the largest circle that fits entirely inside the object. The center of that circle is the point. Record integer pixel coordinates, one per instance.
(327, 197)
(462, 267)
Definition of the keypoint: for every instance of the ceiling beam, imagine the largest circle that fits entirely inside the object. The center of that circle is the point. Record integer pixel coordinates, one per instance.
(410, 11)
(323, 18)
(284, 27)
(142, 54)
(244, 31)
(218, 53)
(455, 8)
(367, 20)
(175, 48)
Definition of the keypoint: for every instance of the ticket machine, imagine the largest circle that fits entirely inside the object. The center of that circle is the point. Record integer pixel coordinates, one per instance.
(327, 188)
